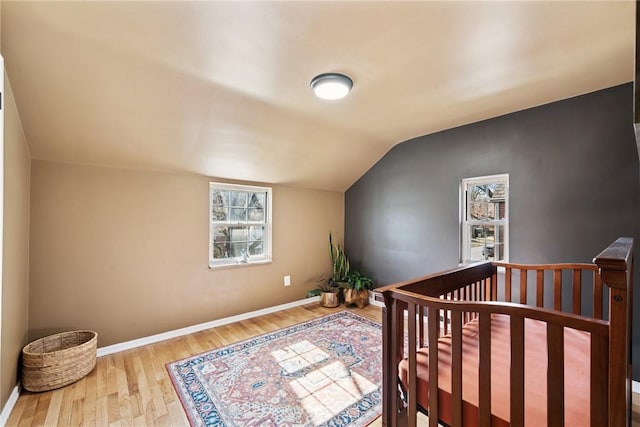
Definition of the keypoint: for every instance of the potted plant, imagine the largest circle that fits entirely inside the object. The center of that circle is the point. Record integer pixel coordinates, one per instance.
(339, 264)
(329, 295)
(331, 291)
(357, 291)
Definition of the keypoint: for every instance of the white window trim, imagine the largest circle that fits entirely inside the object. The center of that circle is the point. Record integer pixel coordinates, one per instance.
(266, 258)
(464, 231)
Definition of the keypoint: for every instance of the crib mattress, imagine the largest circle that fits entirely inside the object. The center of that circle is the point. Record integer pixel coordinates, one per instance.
(576, 371)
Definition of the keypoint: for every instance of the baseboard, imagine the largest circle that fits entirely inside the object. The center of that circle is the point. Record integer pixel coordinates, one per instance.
(128, 345)
(372, 300)
(635, 386)
(8, 407)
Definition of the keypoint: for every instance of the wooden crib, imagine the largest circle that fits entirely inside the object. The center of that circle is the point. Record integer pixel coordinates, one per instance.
(502, 352)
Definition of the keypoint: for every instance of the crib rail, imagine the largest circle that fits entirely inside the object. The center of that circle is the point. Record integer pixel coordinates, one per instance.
(598, 330)
(520, 291)
(553, 276)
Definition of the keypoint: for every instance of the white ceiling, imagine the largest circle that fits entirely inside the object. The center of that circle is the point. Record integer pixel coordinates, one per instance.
(222, 88)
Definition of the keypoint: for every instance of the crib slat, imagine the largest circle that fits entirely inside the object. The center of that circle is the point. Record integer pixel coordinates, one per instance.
(465, 317)
(523, 286)
(423, 330)
(456, 368)
(391, 345)
(557, 290)
(577, 291)
(517, 371)
(422, 311)
(494, 285)
(597, 296)
(433, 366)
(445, 318)
(555, 375)
(599, 364)
(484, 391)
(540, 288)
(473, 291)
(476, 295)
(412, 395)
(419, 326)
(507, 284)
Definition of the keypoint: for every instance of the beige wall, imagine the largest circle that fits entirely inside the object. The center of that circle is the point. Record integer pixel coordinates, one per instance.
(125, 252)
(15, 271)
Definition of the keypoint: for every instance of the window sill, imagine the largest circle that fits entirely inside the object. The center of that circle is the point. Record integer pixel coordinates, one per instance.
(239, 264)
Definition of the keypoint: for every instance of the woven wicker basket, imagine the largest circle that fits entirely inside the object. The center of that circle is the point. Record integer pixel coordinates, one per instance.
(58, 360)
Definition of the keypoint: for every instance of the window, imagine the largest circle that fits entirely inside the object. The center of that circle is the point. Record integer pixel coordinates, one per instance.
(484, 209)
(240, 224)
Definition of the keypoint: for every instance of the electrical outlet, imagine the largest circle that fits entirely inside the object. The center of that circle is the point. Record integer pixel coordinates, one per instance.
(287, 280)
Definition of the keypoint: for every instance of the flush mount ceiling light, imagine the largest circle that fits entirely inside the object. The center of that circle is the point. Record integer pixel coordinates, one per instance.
(331, 86)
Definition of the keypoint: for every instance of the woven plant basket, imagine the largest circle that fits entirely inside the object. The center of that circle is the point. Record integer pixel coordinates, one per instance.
(58, 360)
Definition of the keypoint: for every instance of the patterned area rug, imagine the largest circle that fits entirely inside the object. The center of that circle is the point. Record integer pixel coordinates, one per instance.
(325, 372)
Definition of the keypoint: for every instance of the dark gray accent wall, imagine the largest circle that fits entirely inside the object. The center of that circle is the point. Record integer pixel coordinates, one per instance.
(574, 188)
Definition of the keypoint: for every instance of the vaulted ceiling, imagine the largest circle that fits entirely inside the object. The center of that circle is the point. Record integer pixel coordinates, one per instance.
(222, 88)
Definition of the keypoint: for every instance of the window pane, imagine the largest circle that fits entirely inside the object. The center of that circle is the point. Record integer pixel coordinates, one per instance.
(255, 232)
(221, 242)
(478, 211)
(219, 198)
(478, 193)
(238, 234)
(256, 200)
(221, 233)
(477, 233)
(238, 249)
(256, 240)
(220, 250)
(498, 243)
(491, 210)
(487, 201)
(239, 237)
(487, 242)
(255, 248)
(219, 205)
(499, 200)
(219, 214)
(500, 209)
(238, 214)
(256, 215)
(238, 199)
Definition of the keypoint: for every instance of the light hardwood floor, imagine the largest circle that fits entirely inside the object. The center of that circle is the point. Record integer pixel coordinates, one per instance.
(133, 388)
